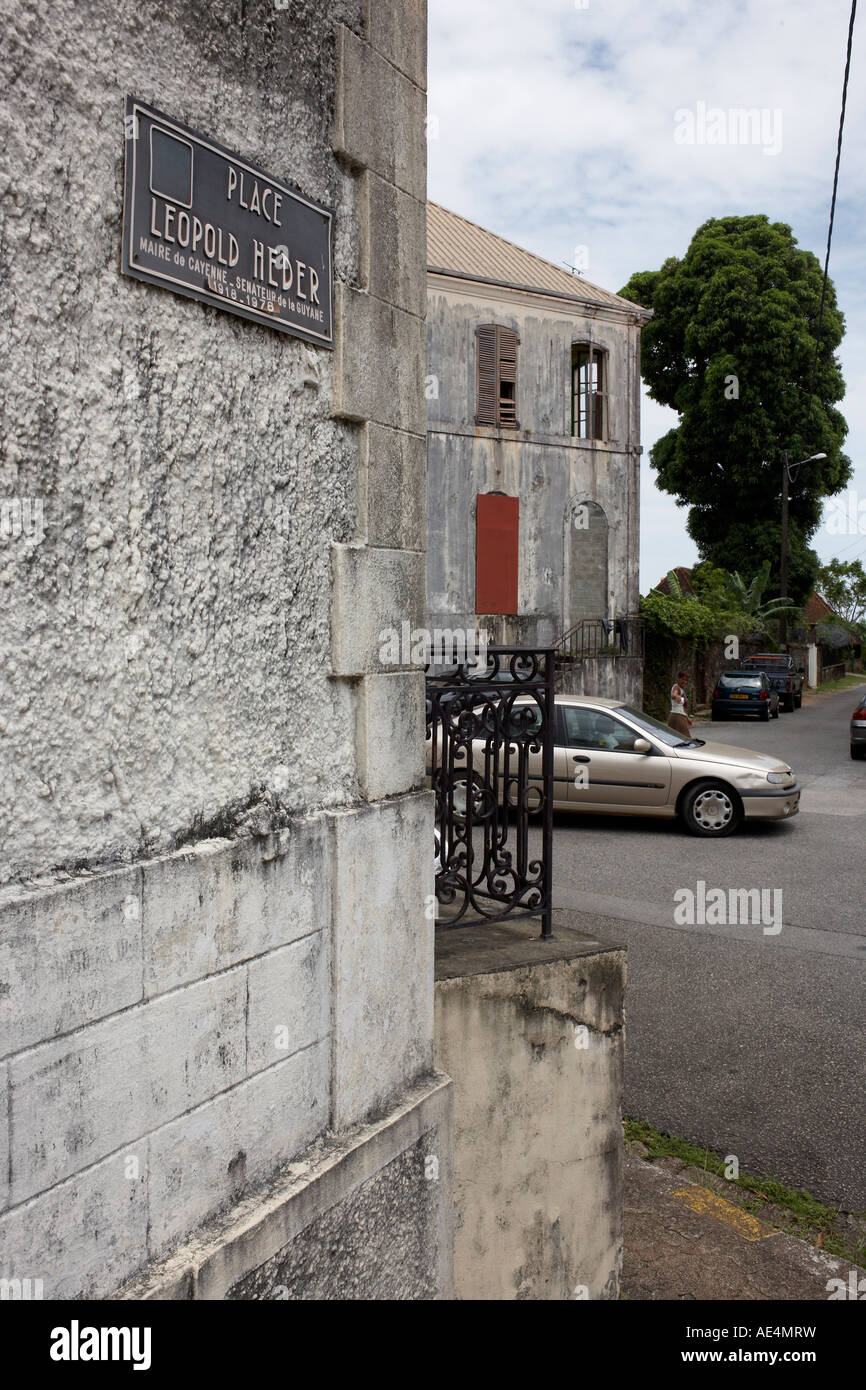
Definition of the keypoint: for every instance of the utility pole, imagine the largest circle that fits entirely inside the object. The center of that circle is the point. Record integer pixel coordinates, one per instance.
(783, 561)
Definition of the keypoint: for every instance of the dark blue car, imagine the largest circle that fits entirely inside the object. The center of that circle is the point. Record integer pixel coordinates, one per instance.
(738, 693)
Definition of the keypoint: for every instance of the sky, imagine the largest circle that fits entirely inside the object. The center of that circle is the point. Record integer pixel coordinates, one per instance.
(560, 125)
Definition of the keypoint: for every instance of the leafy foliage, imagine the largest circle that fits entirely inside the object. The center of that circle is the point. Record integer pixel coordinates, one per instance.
(722, 603)
(842, 584)
(731, 348)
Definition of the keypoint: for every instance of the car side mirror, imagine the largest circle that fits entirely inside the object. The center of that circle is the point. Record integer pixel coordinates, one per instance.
(642, 745)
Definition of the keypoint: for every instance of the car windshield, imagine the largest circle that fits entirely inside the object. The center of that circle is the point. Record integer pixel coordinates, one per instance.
(658, 729)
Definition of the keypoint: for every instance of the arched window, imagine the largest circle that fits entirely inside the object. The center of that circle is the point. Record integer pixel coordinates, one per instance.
(496, 376)
(589, 397)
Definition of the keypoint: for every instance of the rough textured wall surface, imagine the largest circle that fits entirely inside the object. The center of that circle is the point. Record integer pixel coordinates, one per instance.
(375, 1245)
(216, 844)
(162, 647)
(541, 463)
(617, 678)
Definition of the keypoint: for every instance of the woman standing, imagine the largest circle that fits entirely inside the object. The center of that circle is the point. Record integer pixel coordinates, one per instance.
(678, 719)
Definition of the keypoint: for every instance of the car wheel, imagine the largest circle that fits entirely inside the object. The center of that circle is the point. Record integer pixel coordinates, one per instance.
(713, 716)
(483, 806)
(711, 809)
(765, 715)
(776, 710)
(798, 701)
(857, 750)
(789, 704)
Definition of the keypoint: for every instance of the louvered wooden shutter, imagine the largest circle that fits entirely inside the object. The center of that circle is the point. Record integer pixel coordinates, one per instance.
(496, 358)
(487, 375)
(507, 377)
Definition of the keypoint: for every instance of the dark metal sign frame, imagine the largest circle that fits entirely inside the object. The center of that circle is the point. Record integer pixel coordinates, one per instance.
(188, 228)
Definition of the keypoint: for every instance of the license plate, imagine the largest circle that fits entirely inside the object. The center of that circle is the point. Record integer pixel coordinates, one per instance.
(739, 697)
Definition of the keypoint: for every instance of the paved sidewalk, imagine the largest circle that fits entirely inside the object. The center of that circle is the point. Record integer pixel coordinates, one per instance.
(688, 1239)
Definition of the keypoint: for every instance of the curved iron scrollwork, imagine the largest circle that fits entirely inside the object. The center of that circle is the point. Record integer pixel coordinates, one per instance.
(490, 763)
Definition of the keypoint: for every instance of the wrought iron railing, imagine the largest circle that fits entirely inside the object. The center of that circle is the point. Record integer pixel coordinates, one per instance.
(490, 762)
(590, 637)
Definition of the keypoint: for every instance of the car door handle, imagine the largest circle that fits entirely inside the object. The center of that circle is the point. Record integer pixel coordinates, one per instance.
(579, 758)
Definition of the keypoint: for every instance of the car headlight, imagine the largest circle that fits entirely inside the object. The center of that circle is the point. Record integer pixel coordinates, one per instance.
(778, 776)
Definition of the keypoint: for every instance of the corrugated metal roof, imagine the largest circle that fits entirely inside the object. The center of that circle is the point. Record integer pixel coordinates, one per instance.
(455, 244)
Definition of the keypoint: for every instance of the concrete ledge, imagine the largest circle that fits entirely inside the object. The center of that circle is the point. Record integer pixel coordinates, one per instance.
(248, 1253)
(532, 1034)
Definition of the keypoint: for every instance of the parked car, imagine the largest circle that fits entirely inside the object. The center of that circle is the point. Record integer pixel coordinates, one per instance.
(858, 729)
(784, 675)
(611, 759)
(739, 693)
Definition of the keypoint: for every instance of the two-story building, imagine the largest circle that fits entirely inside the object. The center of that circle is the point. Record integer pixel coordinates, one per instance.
(533, 396)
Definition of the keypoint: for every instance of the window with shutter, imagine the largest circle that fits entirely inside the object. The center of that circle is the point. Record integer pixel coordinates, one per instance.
(496, 359)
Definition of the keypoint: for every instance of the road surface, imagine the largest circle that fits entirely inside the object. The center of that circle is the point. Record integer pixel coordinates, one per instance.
(751, 1043)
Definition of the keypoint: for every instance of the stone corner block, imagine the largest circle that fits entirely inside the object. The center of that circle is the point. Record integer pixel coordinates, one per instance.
(380, 362)
(383, 953)
(379, 115)
(391, 732)
(398, 30)
(374, 593)
(397, 240)
(396, 488)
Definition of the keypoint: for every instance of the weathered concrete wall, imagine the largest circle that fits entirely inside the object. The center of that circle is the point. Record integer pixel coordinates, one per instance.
(215, 839)
(541, 463)
(617, 678)
(531, 1033)
(366, 1216)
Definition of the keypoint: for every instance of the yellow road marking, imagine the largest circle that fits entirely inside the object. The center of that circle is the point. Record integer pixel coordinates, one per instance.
(707, 1203)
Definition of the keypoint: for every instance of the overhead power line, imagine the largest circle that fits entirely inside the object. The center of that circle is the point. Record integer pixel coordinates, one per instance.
(835, 188)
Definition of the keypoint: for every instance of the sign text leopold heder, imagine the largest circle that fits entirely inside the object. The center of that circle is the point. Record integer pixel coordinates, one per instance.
(205, 223)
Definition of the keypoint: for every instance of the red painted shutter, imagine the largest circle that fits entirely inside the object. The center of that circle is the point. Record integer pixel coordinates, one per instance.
(496, 540)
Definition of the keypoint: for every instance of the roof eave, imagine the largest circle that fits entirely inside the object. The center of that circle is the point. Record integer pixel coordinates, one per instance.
(624, 306)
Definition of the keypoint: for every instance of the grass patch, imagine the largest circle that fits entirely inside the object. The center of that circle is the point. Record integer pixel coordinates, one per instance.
(839, 1233)
(847, 682)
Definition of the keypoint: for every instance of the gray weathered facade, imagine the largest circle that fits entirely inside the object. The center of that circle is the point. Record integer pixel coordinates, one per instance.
(578, 539)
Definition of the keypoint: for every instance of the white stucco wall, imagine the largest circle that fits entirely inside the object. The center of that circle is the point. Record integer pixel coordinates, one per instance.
(215, 844)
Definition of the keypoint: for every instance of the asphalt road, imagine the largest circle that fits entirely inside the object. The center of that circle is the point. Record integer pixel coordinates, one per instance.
(751, 1043)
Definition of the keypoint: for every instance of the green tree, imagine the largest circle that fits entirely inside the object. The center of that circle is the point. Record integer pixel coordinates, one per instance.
(749, 598)
(842, 584)
(731, 348)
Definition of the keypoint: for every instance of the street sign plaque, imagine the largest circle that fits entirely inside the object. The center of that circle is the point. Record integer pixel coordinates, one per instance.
(202, 221)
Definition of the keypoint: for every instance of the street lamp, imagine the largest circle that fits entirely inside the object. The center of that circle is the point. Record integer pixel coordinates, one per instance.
(783, 564)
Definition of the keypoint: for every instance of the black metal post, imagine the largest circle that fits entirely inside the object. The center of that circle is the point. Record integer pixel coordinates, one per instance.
(547, 779)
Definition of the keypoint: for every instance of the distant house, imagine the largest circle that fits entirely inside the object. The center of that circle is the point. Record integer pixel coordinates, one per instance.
(816, 611)
(684, 576)
(533, 440)
(835, 642)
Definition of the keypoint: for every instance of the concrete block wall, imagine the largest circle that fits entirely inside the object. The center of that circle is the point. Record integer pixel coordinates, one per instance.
(216, 838)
